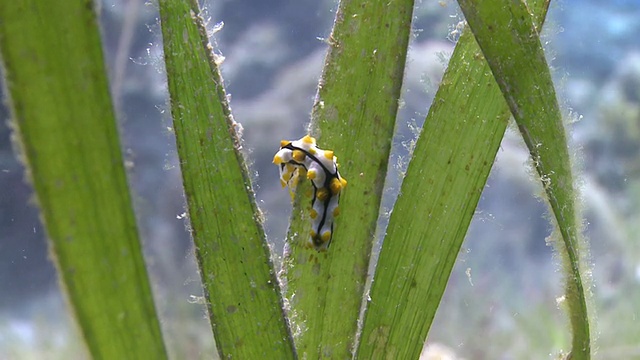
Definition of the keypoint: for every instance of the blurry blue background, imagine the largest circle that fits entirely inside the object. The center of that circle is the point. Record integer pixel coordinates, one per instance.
(504, 296)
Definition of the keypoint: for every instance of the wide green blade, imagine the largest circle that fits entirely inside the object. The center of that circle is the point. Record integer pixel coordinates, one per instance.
(510, 42)
(240, 286)
(438, 198)
(354, 115)
(66, 129)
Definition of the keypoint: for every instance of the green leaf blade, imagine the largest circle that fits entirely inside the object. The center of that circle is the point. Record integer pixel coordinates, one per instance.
(354, 115)
(442, 186)
(511, 43)
(66, 129)
(240, 286)
(439, 194)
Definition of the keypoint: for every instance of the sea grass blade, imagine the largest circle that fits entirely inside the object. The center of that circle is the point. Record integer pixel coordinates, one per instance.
(241, 290)
(354, 115)
(439, 194)
(510, 42)
(65, 127)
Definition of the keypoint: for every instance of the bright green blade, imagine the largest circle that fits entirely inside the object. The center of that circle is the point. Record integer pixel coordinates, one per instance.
(242, 292)
(438, 198)
(66, 129)
(354, 115)
(511, 44)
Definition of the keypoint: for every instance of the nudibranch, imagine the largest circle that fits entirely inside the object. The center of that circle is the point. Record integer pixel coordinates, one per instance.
(303, 156)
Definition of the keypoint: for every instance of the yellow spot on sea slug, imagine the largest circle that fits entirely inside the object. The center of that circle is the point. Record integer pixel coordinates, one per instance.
(336, 186)
(298, 155)
(308, 140)
(322, 194)
(328, 154)
(311, 174)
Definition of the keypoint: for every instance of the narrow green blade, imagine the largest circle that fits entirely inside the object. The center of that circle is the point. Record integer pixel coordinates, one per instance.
(438, 198)
(354, 115)
(511, 44)
(65, 126)
(240, 286)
